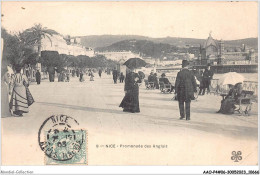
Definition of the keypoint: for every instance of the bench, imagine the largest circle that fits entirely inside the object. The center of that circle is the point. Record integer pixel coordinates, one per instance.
(165, 88)
(149, 85)
(245, 102)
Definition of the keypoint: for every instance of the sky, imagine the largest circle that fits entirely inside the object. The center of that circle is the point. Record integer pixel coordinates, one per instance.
(226, 20)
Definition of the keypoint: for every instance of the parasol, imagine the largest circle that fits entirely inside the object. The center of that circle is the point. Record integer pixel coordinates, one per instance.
(231, 78)
(134, 63)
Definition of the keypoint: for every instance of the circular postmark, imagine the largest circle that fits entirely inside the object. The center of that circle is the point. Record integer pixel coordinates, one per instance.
(60, 138)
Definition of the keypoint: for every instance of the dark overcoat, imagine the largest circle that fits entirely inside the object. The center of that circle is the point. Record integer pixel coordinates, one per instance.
(207, 76)
(185, 85)
(38, 76)
(115, 74)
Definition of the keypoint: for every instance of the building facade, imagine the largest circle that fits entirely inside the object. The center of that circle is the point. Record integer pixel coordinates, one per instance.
(118, 55)
(62, 46)
(214, 52)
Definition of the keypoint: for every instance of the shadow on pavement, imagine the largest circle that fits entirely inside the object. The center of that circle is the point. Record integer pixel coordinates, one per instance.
(222, 129)
(83, 108)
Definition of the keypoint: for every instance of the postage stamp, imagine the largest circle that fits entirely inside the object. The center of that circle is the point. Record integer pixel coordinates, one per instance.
(62, 142)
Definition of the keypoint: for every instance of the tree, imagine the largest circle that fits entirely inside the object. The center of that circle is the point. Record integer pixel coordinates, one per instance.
(50, 58)
(34, 35)
(15, 52)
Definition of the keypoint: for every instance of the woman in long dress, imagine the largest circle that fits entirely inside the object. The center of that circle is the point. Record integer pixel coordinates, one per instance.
(5, 110)
(228, 104)
(130, 102)
(19, 102)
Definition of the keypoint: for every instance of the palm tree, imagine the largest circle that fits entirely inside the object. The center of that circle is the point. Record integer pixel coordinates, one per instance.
(34, 35)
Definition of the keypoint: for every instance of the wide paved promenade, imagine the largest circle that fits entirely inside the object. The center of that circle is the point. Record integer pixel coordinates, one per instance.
(207, 139)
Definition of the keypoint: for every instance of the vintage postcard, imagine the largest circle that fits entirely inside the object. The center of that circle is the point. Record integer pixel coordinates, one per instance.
(129, 83)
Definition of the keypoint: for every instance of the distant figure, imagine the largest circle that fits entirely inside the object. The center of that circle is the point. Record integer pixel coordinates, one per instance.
(130, 102)
(100, 72)
(122, 77)
(51, 71)
(77, 72)
(59, 77)
(155, 79)
(38, 77)
(185, 86)
(67, 76)
(228, 104)
(91, 76)
(81, 78)
(151, 77)
(165, 81)
(206, 80)
(63, 76)
(27, 72)
(73, 73)
(200, 79)
(115, 76)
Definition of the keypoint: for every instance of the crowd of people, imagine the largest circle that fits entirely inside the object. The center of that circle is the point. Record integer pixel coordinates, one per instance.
(18, 97)
(186, 85)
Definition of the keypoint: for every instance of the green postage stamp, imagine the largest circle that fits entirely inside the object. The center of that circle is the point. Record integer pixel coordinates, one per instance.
(62, 142)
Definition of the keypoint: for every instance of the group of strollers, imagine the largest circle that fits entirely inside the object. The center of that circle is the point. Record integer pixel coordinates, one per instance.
(64, 77)
(236, 100)
(89, 73)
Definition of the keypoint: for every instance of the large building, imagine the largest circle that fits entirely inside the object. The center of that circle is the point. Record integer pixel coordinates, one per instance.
(214, 52)
(62, 46)
(118, 55)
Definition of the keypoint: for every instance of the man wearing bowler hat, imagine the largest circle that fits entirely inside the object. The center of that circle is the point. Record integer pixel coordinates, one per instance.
(185, 86)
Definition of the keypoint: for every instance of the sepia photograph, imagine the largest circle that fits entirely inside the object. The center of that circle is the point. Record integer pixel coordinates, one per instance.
(143, 83)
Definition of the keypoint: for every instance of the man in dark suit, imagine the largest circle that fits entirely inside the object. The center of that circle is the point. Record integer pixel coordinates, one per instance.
(185, 86)
(150, 77)
(115, 75)
(38, 77)
(206, 79)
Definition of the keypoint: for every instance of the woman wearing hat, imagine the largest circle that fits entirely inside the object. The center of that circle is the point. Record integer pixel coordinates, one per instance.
(185, 86)
(21, 98)
(130, 102)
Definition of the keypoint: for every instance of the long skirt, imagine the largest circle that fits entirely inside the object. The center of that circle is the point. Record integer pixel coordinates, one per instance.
(130, 103)
(19, 102)
(227, 106)
(5, 101)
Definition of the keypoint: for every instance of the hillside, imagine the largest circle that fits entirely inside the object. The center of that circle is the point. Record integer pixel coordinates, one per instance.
(107, 40)
(95, 41)
(144, 47)
(251, 42)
